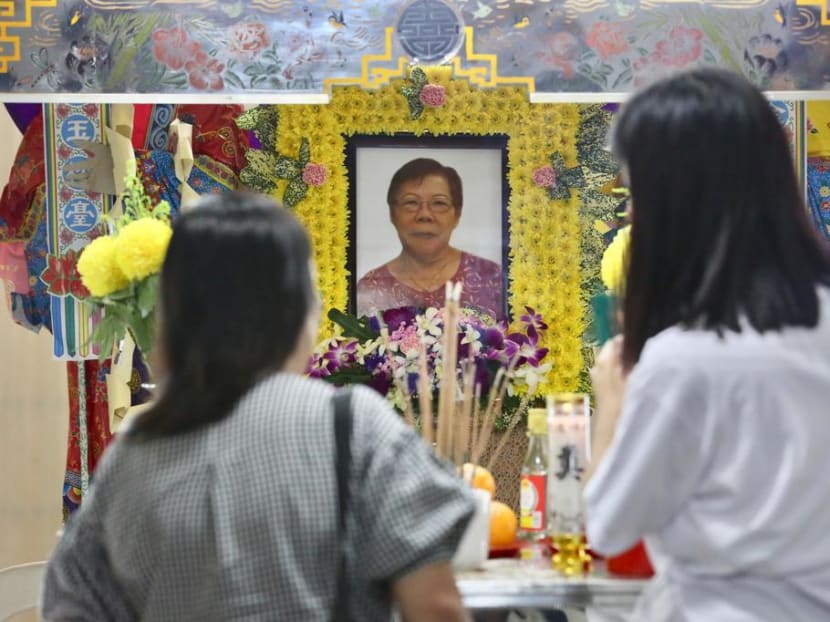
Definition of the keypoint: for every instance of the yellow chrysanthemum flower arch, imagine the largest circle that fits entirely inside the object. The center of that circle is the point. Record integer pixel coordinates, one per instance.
(544, 234)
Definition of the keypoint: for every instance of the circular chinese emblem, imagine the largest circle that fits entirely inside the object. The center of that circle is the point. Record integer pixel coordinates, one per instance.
(430, 31)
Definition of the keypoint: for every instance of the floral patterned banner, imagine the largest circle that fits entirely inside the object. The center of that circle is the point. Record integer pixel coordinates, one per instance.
(203, 47)
(73, 218)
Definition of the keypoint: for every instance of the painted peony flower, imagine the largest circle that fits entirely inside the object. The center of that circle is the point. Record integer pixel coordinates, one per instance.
(248, 39)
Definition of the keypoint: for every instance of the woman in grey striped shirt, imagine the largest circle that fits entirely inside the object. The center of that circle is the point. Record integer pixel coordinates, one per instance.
(220, 501)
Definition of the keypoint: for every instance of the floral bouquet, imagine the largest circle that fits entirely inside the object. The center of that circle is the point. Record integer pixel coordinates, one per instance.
(387, 352)
(121, 270)
(605, 305)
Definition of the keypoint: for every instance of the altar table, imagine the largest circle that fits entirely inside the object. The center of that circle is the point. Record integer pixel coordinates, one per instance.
(509, 584)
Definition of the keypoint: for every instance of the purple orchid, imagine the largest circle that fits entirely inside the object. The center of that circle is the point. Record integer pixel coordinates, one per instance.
(412, 383)
(317, 367)
(395, 318)
(533, 319)
(483, 376)
(381, 384)
(373, 361)
(523, 349)
(341, 354)
(377, 362)
(492, 338)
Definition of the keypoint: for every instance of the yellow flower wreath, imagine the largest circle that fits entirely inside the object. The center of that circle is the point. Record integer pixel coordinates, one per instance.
(545, 271)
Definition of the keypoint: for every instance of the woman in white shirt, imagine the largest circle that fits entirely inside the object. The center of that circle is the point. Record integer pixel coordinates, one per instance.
(713, 426)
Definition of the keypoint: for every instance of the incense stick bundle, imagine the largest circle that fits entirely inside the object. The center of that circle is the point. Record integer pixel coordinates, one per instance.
(463, 422)
(448, 385)
(517, 416)
(459, 430)
(425, 396)
(494, 400)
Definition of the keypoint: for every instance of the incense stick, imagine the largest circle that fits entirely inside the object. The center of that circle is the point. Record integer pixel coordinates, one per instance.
(449, 383)
(461, 449)
(425, 395)
(474, 432)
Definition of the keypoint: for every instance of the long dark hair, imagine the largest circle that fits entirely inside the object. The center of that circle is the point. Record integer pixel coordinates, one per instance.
(719, 227)
(236, 290)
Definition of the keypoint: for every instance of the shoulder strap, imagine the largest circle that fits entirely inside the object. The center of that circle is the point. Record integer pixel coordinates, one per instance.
(343, 462)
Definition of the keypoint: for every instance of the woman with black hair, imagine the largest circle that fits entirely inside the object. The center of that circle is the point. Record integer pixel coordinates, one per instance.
(221, 501)
(712, 427)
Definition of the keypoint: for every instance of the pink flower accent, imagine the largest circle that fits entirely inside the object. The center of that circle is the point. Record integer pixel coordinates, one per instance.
(648, 69)
(544, 177)
(314, 174)
(433, 95)
(607, 38)
(248, 39)
(205, 73)
(561, 50)
(681, 48)
(407, 338)
(173, 48)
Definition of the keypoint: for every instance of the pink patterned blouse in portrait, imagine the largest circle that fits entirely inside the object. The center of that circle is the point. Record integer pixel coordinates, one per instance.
(483, 289)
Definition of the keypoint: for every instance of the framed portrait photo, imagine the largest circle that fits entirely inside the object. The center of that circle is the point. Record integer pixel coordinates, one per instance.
(482, 229)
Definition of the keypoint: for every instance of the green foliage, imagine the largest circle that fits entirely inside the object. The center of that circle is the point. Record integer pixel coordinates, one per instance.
(286, 167)
(412, 92)
(295, 192)
(264, 122)
(357, 328)
(132, 310)
(305, 153)
(258, 173)
(266, 165)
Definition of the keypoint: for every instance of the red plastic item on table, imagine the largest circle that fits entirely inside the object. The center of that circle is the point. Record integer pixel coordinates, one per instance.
(498, 552)
(632, 563)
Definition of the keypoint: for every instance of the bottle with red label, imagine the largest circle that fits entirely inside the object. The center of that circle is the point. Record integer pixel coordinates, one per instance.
(534, 480)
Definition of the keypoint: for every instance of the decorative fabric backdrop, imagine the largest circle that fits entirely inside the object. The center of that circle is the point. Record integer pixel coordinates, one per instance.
(209, 47)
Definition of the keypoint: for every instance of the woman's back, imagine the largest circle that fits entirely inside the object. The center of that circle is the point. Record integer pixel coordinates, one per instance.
(239, 519)
(716, 458)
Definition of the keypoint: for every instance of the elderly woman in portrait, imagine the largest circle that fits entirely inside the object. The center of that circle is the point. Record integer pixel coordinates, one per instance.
(425, 199)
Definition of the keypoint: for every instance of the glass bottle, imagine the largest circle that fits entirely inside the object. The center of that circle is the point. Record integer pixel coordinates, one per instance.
(534, 480)
(568, 430)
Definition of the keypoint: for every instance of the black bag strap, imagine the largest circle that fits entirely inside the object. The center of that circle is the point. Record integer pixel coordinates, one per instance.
(343, 462)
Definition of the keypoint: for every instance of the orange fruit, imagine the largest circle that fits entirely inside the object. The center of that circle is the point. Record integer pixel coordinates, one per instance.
(479, 477)
(503, 524)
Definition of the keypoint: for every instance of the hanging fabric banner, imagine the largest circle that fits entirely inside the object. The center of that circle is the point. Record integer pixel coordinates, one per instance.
(73, 219)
